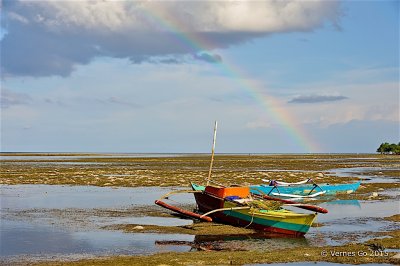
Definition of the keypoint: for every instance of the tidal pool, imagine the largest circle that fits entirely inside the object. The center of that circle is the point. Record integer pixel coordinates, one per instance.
(349, 221)
(39, 221)
(72, 156)
(24, 238)
(18, 197)
(359, 172)
(27, 229)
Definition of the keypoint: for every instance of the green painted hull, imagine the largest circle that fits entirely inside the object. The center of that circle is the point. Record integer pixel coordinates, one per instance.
(277, 221)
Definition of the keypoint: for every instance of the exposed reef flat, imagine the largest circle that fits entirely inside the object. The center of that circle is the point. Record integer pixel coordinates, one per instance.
(379, 174)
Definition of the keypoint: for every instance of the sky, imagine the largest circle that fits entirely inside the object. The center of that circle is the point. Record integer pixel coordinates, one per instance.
(153, 76)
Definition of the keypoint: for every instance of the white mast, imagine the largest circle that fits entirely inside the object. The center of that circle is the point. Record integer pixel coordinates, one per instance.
(212, 152)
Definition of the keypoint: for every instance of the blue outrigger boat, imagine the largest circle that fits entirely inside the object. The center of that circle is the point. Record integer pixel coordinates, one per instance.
(302, 190)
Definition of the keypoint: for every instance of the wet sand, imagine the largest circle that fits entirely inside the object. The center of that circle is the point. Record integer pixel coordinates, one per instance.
(102, 206)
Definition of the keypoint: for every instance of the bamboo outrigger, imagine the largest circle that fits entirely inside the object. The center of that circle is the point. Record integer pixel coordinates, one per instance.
(161, 203)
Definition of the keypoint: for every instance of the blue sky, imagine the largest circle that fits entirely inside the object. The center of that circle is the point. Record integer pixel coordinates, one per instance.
(289, 76)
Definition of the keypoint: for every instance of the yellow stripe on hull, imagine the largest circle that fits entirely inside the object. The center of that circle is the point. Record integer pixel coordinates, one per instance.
(281, 215)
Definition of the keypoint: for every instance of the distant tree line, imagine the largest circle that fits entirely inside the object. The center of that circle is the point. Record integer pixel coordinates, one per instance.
(387, 148)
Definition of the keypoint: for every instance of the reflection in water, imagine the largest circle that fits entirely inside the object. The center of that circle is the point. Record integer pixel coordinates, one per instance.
(355, 221)
(26, 229)
(365, 208)
(256, 241)
(344, 202)
(21, 238)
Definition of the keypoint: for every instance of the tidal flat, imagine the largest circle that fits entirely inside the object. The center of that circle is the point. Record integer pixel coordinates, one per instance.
(98, 209)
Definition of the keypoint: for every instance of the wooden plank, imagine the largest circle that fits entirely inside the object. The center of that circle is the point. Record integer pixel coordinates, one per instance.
(182, 211)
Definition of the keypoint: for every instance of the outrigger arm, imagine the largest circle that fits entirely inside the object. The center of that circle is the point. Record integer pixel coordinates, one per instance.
(299, 196)
(161, 203)
(293, 203)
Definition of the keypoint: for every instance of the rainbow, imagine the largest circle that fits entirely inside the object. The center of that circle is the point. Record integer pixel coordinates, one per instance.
(273, 106)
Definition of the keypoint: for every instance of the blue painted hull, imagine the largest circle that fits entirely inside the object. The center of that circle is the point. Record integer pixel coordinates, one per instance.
(304, 190)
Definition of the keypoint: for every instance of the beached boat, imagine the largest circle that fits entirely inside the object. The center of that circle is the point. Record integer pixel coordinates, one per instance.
(238, 207)
(302, 189)
(239, 210)
(235, 206)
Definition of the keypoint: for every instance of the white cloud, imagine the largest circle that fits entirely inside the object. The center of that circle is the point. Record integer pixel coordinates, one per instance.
(273, 16)
(197, 16)
(52, 37)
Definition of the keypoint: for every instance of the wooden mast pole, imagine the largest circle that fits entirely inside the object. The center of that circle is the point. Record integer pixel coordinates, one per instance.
(212, 152)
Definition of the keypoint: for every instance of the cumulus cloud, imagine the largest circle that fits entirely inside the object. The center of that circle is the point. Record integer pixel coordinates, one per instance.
(52, 37)
(317, 98)
(9, 98)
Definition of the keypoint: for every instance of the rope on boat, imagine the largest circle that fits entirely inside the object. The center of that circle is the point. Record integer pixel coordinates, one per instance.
(252, 219)
(224, 209)
(165, 196)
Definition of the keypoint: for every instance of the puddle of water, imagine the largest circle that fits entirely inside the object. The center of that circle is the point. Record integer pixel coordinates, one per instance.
(261, 242)
(358, 173)
(355, 221)
(367, 209)
(255, 241)
(18, 197)
(343, 202)
(44, 236)
(21, 238)
(89, 156)
(397, 250)
(44, 241)
(390, 192)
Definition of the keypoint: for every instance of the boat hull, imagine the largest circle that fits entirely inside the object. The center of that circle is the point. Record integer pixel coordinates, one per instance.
(281, 221)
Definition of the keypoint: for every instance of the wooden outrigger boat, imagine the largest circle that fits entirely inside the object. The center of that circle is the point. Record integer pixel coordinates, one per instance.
(235, 206)
(238, 207)
(302, 189)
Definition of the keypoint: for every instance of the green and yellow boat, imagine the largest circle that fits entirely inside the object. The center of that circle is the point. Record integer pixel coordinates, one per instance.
(237, 207)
